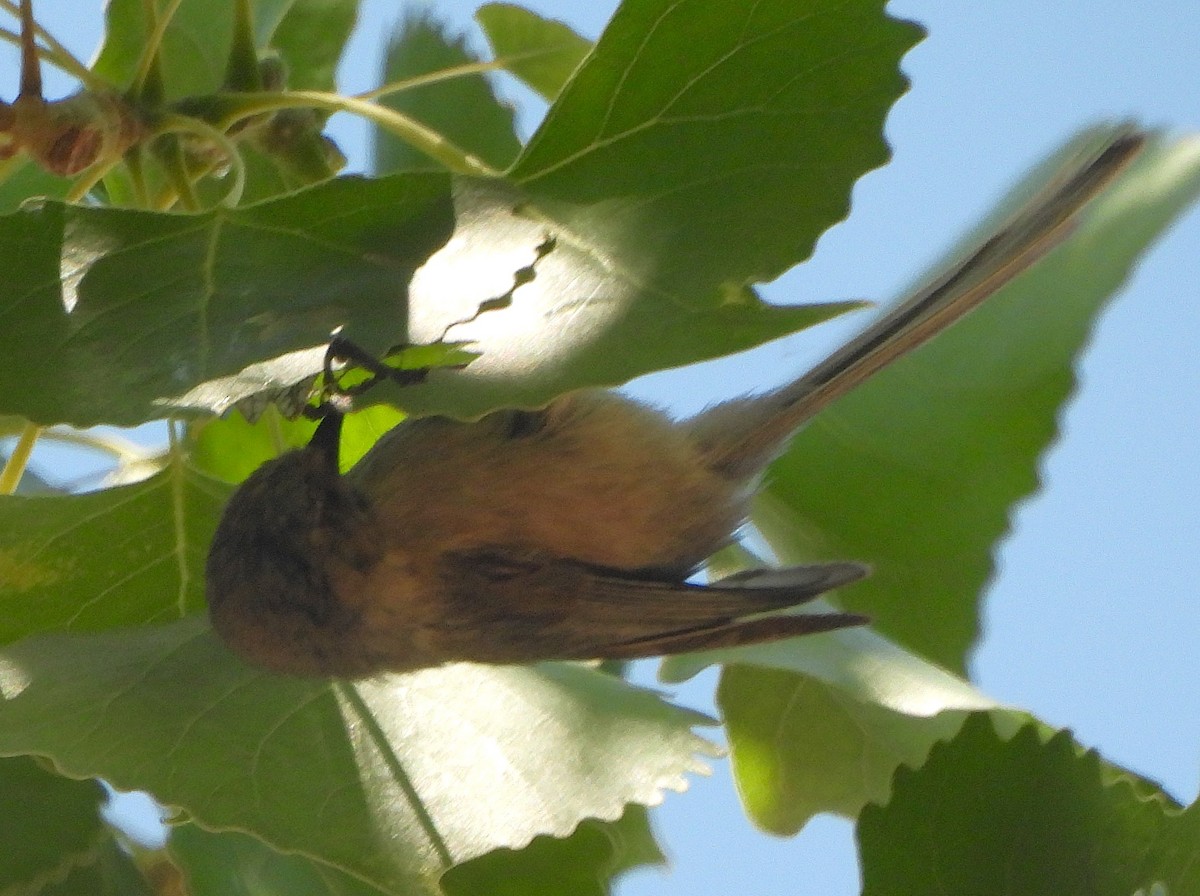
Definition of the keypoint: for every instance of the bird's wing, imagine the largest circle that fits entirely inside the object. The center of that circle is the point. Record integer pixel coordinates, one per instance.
(519, 607)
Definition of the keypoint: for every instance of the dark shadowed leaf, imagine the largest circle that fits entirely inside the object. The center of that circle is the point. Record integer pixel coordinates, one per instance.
(52, 839)
(123, 316)
(236, 864)
(996, 815)
(543, 53)
(463, 109)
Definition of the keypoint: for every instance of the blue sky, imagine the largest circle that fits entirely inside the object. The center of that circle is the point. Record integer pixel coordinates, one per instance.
(1092, 621)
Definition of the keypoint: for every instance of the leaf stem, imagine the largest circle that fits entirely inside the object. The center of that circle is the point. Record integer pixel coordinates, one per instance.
(14, 468)
(408, 129)
(89, 177)
(445, 74)
(147, 67)
(135, 165)
(500, 63)
(186, 124)
(125, 451)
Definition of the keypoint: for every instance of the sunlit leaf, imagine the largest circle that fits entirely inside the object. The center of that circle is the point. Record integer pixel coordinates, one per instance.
(577, 322)
(706, 145)
(233, 864)
(667, 187)
(820, 723)
(391, 780)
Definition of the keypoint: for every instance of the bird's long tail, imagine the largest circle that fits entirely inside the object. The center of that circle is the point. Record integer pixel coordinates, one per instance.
(742, 447)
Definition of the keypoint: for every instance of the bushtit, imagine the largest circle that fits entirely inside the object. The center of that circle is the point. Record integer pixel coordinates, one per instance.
(567, 532)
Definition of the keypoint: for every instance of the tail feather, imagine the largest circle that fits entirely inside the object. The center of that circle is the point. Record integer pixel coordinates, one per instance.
(732, 608)
(734, 634)
(741, 437)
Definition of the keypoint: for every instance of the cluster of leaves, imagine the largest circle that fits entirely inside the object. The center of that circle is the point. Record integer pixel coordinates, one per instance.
(694, 150)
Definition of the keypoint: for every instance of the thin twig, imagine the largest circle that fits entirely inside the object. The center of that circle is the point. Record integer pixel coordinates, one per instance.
(14, 467)
(158, 29)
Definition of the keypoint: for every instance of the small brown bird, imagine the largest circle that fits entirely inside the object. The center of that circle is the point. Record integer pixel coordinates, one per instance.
(567, 532)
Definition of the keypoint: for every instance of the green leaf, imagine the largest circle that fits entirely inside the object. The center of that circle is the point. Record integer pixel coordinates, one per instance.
(390, 780)
(21, 179)
(215, 293)
(56, 827)
(801, 747)
(580, 321)
(131, 555)
(309, 34)
(597, 312)
(820, 723)
(235, 864)
(917, 470)
(230, 448)
(987, 814)
(667, 181)
(195, 46)
(1180, 867)
(463, 109)
(583, 864)
(703, 146)
(233, 303)
(541, 52)
(53, 840)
